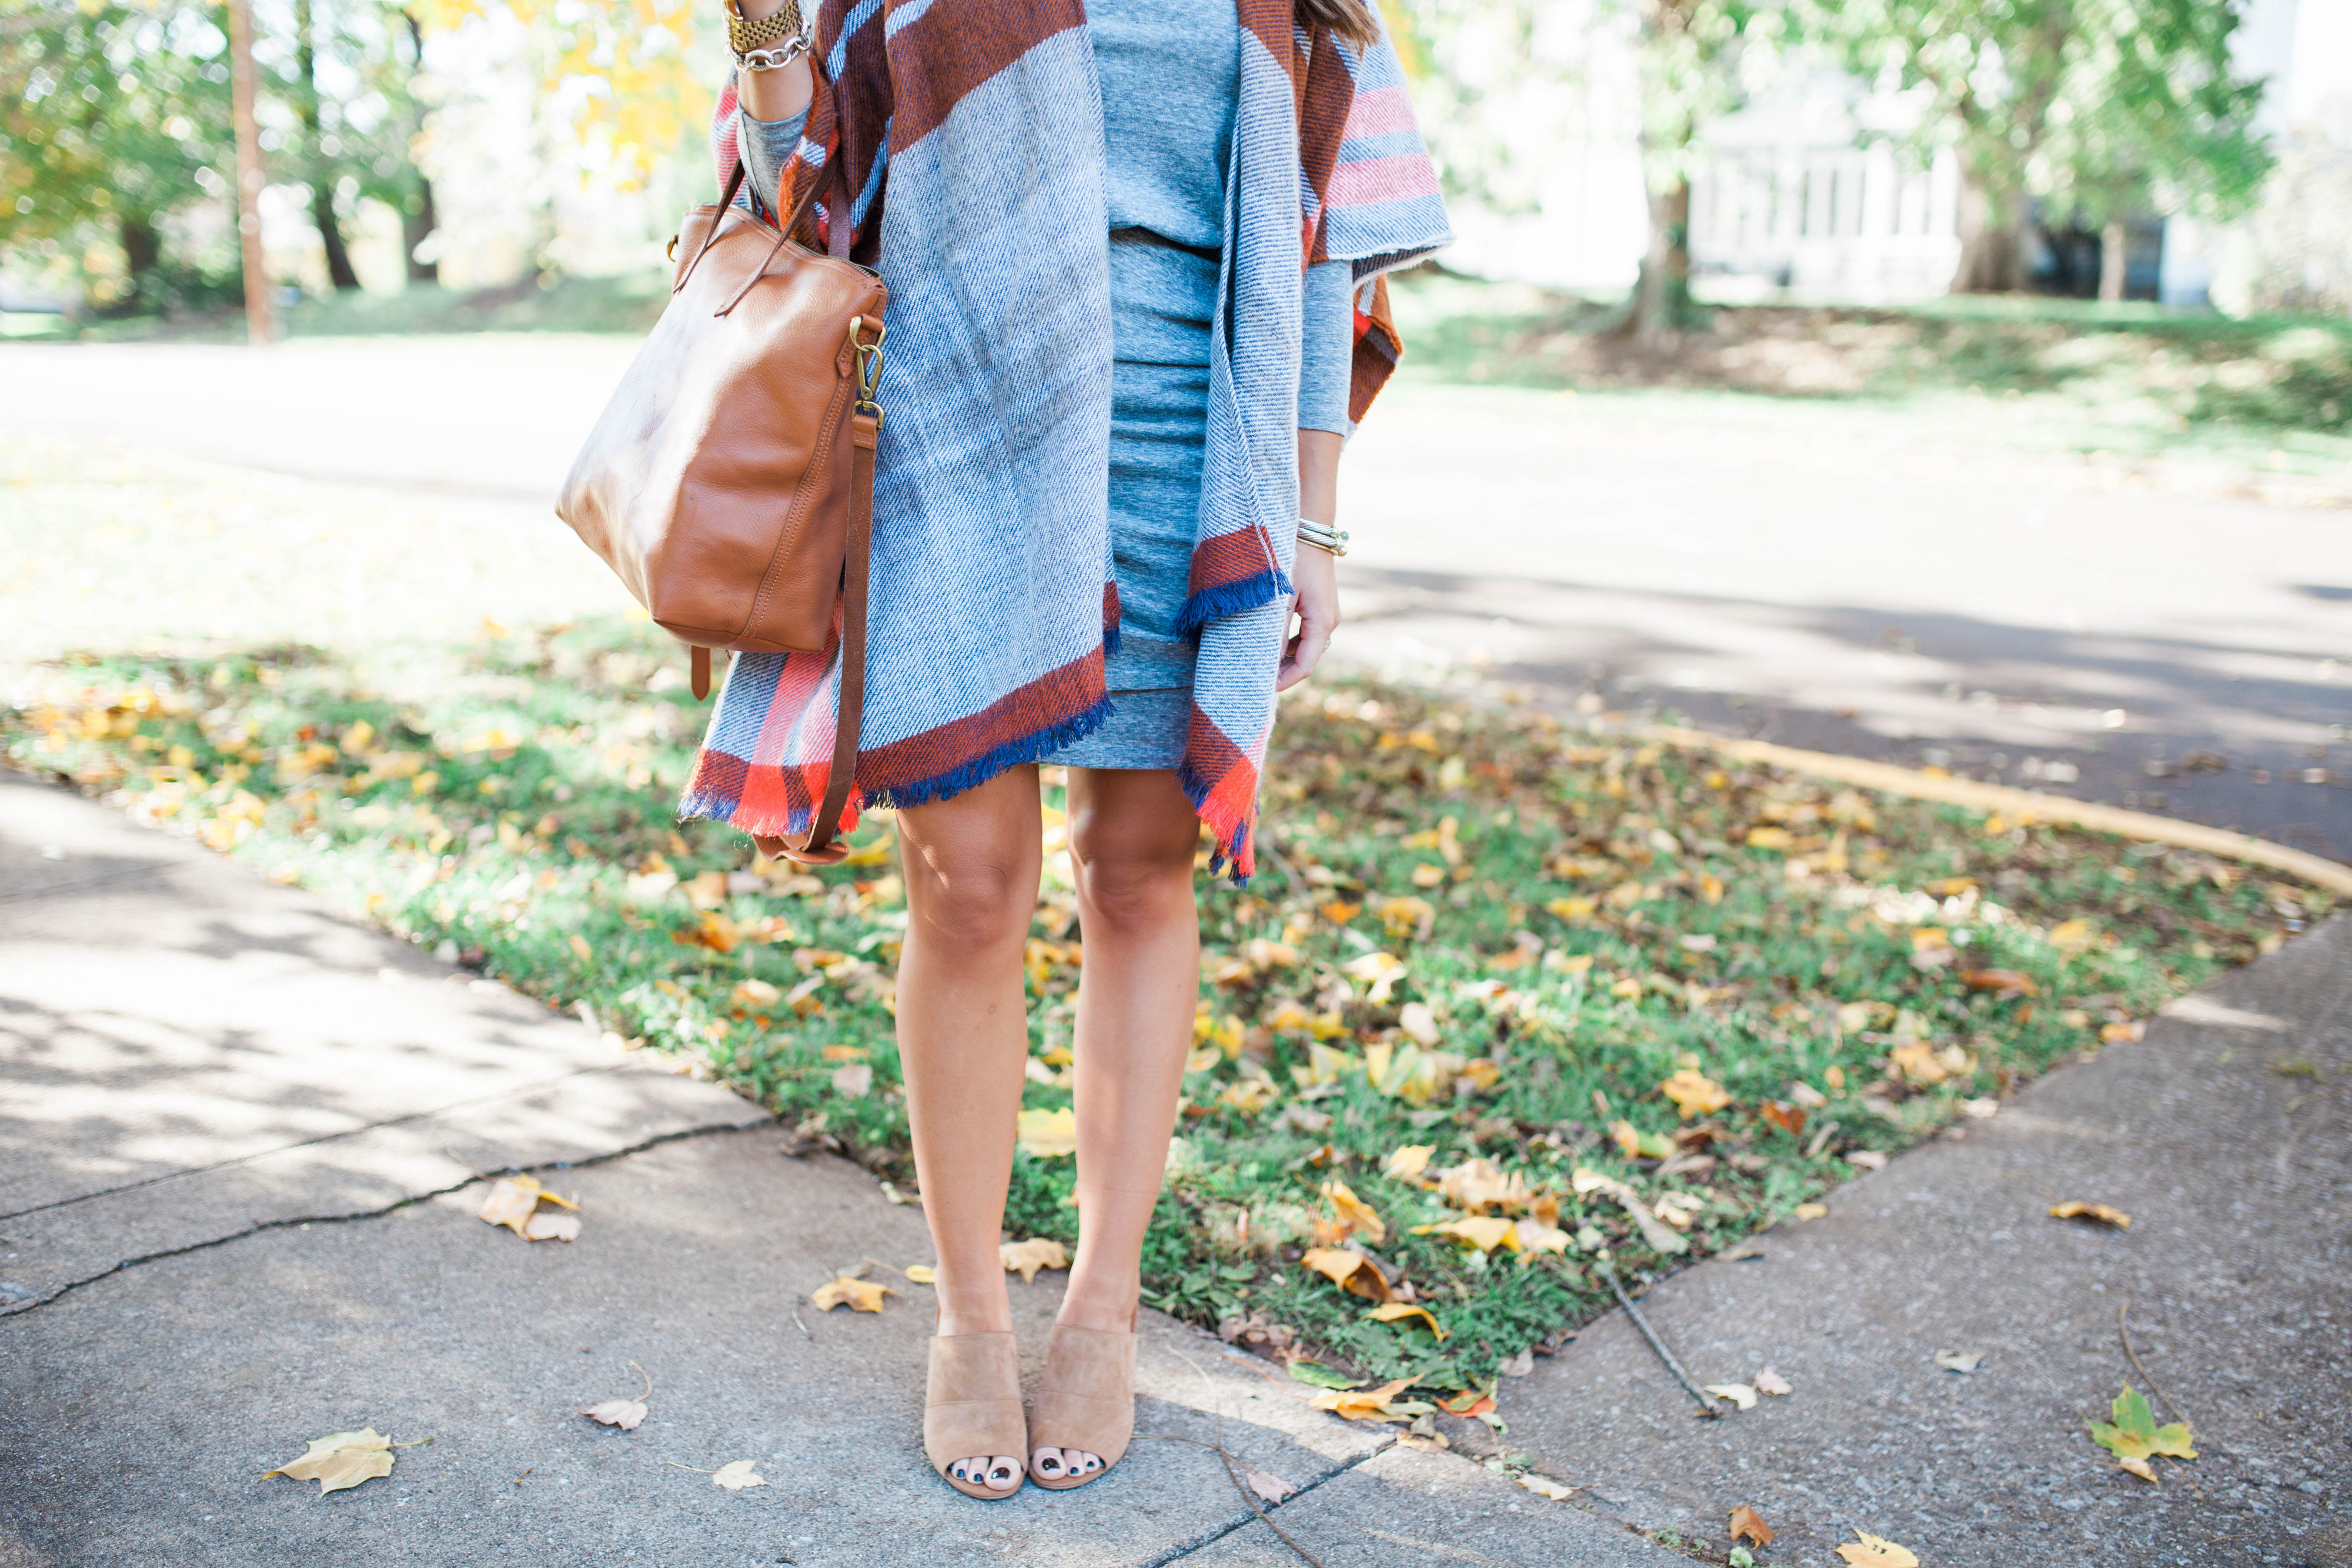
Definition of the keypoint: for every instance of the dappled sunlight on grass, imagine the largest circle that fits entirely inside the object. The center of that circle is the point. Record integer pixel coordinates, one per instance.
(1505, 1001)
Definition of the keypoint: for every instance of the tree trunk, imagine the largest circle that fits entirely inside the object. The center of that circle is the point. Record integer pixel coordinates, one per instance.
(1988, 250)
(142, 251)
(322, 169)
(417, 223)
(1661, 305)
(2114, 241)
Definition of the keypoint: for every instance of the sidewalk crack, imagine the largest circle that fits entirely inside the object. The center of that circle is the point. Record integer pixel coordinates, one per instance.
(258, 1228)
(1249, 1516)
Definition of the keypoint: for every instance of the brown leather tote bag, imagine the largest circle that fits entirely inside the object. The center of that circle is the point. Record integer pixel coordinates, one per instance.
(729, 482)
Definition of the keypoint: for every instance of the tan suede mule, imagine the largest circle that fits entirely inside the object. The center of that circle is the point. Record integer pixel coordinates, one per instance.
(1086, 1404)
(972, 1429)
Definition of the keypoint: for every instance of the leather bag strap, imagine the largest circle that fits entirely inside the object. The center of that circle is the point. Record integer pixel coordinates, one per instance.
(849, 717)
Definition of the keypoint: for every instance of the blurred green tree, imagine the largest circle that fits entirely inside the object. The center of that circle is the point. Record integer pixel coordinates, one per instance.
(113, 118)
(2100, 107)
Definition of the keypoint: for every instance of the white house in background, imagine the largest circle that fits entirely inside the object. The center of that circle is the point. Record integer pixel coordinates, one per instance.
(1808, 193)
(1806, 196)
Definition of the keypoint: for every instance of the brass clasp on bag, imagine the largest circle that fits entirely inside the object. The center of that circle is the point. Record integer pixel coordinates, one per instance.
(869, 365)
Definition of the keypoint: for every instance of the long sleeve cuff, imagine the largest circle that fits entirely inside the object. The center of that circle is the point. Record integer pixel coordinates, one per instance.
(767, 145)
(1328, 348)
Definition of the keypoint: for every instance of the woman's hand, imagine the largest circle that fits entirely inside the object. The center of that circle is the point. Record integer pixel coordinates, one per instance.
(1316, 574)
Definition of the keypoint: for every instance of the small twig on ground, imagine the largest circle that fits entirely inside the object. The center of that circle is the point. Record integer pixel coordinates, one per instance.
(2132, 1356)
(1706, 1405)
(649, 1376)
(1217, 1414)
(1282, 863)
(801, 1326)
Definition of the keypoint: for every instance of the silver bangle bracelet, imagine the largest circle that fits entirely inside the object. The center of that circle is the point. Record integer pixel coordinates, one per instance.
(782, 55)
(1323, 537)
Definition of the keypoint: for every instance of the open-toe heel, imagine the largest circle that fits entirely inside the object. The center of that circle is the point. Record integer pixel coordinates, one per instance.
(1086, 1404)
(971, 1412)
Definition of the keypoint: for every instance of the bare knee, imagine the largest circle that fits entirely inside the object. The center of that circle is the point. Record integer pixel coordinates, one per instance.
(971, 897)
(1131, 887)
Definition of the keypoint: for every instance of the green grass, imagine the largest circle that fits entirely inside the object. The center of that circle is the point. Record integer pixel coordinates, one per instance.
(1565, 922)
(628, 303)
(2131, 379)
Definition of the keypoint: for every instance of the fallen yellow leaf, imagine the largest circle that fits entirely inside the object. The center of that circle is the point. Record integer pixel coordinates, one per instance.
(1484, 1231)
(1694, 1094)
(1545, 1487)
(1351, 1272)
(2098, 1211)
(2072, 935)
(1812, 1210)
(1396, 1311)
(1409, 1162)
(513, 1202)
(341, 1460)
(1868, 1551)
(1362, 1403)
(858, 1295)
(1355, 1213)
(1740, 1394)
(580, 948)
(1026, 1258)
(1047, 1134)
(2139, 1468)
(922, 1274)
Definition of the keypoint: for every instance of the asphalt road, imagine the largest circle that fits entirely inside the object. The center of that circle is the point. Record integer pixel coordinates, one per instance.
(1840, 580)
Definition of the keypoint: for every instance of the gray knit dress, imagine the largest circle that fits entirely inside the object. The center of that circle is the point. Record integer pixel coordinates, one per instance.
(1169, 72)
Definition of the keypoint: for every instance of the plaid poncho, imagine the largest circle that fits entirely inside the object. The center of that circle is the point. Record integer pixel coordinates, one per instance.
(974, 135)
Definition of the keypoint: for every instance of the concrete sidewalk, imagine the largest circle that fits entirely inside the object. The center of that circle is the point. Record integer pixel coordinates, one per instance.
(2226, 1135)
(275, 1114)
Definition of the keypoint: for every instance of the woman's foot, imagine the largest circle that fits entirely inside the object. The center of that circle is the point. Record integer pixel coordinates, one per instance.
(1085, 1411)
(972, 1425)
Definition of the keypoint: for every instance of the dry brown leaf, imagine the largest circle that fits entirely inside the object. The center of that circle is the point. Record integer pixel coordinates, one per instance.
(859, 1295)
(1026, 1258)
(548, 1226)
(1768, 1381)
(2139, 1468)
(623, 1413)
(1868, 1551)
(1957, 1360)
(1272, 1488)
(1545, 1487)
(735, 1477)
(1396, 1311)
(1355, 1214)
(1746, 1524)
(1351, 1272)
(341, 1460)
(2098, 1211)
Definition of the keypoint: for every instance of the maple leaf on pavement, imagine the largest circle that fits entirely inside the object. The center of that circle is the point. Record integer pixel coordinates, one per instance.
(341, 1460)
(2134, 1434)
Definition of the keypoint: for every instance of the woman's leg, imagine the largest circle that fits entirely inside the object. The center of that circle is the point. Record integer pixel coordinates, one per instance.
(1133, 839)
(971, 865)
